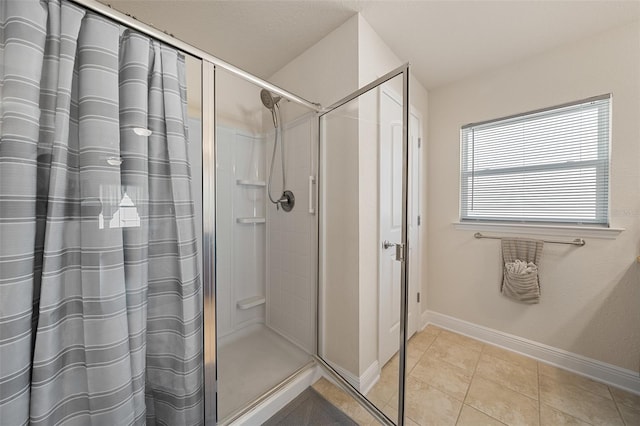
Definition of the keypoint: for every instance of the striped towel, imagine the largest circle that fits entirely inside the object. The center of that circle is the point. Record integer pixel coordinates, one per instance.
(521, 259)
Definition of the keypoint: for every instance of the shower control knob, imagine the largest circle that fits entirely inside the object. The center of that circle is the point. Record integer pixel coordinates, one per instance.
(287, 201)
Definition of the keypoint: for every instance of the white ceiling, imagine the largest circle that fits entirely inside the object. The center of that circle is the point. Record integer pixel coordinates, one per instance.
(444, 40)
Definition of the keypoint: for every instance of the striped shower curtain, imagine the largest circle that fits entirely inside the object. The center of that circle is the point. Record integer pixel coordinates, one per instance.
(100, 301)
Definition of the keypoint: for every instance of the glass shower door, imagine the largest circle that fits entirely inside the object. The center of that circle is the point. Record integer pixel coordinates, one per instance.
(363, 240)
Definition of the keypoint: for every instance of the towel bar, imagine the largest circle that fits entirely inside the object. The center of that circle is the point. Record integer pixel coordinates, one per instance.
(577, 242)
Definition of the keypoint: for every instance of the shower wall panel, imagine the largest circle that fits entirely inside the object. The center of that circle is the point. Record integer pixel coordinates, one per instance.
(240, 249)
(291, 239)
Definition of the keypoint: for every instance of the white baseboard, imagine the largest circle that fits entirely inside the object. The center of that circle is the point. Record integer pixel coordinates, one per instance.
(369, 378)
(347, 375)
(610, 374)
(264, 411)
(365, 382)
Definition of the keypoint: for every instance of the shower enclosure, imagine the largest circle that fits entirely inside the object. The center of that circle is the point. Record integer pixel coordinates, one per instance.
(182, 242)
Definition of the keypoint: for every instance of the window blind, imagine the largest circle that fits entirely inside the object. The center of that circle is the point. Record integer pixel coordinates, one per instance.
(550, 165)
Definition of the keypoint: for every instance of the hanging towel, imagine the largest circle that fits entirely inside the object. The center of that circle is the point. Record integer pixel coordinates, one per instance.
(521, 258)
(519, 267)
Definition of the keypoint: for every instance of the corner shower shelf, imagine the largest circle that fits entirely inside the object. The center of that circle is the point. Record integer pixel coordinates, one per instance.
(251, 220)
(247, 182)
(251, 302)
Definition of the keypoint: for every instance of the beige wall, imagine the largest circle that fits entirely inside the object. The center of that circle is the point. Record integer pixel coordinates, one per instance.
(591, 295)
(328, 70)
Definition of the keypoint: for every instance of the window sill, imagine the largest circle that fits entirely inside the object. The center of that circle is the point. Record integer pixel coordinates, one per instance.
(548, 230)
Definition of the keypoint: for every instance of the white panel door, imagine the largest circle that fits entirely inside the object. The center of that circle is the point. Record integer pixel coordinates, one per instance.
(391, 222)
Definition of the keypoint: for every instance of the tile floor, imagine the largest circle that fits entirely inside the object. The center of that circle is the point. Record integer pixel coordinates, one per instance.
(456, 380)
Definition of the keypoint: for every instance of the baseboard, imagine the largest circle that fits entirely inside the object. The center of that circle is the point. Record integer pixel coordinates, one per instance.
(610, 374)
(265, 410)
(424, 319)
(346, 374)
(365, 382)
(369, 378)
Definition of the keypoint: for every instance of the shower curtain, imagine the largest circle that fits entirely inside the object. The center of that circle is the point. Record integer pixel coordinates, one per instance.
(100, 299)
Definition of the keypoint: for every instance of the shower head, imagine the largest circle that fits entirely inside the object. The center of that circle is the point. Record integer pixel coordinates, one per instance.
(268, 99)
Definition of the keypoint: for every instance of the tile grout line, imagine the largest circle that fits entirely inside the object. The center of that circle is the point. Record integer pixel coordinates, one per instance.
(429, 385)
(437, 332)
(585, 391)
(500, 384)
(539, 394)
(460, 345)
(416, 364)
(484, 345)
(473, 374)
(592, 394)
(419, 358)
(615, 402)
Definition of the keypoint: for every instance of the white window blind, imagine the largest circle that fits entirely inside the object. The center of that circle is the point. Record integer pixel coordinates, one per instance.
(550, 165)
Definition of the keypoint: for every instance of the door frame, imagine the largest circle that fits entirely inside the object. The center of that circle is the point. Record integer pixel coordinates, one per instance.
(404, 71)
(416, 150)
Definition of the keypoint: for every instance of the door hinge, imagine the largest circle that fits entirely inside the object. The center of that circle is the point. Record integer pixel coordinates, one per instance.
(419, 220)
(418, 298)
(419, 142)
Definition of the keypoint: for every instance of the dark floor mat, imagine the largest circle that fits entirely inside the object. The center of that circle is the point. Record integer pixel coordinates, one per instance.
(309, 409)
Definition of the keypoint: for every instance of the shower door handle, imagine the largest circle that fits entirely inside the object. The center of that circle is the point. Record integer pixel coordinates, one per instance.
(312, 181)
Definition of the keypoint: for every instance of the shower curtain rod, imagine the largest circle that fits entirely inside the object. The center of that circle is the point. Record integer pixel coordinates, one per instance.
(577, 242)
(171, 40)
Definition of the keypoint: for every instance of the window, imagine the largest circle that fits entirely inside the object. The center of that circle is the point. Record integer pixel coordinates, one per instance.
(546, 166)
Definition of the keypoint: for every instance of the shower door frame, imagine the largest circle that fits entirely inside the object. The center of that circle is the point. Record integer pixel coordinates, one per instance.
(402, 70)
(210, 347)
